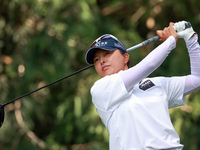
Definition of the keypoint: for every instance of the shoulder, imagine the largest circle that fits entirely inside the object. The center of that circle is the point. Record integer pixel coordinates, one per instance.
(108, 85)
(163, 81)
(107, 81)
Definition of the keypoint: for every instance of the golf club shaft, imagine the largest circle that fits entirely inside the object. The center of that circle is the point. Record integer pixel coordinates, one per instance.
(47, 85)
(153, 39)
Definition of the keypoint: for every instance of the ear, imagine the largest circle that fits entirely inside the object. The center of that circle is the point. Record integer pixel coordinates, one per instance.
(126, 56)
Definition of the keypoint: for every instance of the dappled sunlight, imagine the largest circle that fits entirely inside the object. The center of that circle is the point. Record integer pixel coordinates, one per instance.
(150, 23)
(21, 70)
(6, 59)
(187, 108)
(43, 40)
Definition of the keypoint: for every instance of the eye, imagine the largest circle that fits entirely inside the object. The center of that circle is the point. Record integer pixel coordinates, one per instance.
(95, 60)
(107, 52)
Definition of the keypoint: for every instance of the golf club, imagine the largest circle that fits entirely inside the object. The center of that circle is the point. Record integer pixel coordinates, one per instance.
(153, 39)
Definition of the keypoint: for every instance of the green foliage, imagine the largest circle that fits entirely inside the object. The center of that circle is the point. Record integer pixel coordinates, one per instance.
(42, 41)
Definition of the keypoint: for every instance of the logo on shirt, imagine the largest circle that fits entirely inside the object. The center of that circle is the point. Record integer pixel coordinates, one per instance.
(146, 85)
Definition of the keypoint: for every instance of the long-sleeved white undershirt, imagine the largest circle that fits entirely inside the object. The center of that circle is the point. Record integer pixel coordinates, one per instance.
(192, 82)
(153, 60)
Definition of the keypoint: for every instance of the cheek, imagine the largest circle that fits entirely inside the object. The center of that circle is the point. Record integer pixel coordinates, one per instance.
(118, 67)
(119, 62)
(97, 68)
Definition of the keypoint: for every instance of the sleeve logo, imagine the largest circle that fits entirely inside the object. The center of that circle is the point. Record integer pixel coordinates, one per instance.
(146, 85)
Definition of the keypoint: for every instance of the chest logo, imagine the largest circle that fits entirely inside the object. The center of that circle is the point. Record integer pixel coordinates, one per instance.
(146, 85)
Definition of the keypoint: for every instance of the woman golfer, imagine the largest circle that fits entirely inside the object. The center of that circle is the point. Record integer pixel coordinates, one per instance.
(134, 108)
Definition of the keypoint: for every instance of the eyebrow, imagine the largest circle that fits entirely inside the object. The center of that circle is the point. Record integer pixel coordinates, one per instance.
(94, 56)
(98, 51)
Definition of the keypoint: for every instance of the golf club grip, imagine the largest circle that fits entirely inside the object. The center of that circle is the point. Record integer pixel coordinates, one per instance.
(155, 38)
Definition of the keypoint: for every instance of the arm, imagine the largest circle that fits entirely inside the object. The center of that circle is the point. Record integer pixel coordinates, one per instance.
(153, 60)
(192, 81)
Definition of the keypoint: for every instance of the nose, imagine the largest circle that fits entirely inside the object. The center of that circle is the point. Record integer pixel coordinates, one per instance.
(102, 60)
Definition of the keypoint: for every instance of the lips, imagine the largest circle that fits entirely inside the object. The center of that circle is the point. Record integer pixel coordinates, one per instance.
(105, 67)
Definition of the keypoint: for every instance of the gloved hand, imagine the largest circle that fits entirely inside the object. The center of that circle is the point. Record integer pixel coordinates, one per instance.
(184, 30)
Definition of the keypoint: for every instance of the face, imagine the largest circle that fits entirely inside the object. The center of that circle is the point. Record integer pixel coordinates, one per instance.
(110, 62)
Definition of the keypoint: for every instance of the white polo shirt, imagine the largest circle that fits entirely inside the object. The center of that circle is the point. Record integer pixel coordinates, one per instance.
(139, 120)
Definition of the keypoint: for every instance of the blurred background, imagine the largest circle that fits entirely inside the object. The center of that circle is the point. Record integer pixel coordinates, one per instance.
(44, 40)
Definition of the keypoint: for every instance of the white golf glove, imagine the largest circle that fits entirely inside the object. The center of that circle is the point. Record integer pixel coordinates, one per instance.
(184, 30)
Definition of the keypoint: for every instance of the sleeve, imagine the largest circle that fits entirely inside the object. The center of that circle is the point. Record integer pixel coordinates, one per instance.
(150, 63)
(108, 92)
(174, 88)
(193, 80)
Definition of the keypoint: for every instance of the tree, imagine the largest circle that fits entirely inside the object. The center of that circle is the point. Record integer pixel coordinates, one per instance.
(43, 40)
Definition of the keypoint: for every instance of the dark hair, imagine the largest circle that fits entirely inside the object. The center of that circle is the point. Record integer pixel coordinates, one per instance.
(128, 63)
